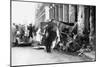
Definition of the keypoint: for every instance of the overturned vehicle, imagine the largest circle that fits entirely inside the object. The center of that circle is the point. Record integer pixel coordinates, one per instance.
(67, 38)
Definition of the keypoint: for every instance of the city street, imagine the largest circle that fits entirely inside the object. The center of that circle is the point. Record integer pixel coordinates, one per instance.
(68, 28)
(29, 56)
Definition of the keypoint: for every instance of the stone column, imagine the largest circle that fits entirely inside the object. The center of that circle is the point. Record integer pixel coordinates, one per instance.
(51, 12)
(71, 13)
(60, 12)
(80, 19)
(46, 13)
(65, 13)
(56, 12)
(92, 35)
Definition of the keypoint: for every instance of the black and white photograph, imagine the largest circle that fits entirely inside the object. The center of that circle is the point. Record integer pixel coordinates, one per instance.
(51, 33)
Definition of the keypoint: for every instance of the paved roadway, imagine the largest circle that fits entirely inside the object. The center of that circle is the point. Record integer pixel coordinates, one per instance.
(29, 55)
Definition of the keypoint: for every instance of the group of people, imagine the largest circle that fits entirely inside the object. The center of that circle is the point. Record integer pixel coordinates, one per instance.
(23, 32)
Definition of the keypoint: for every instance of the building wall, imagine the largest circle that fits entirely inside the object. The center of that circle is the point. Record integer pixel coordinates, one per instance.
(60, 12)
(80, 14)
(56, 12)
(41, 15)
(71, 13)
(46, 13)
(63, 12)
(66, 13)
(80, 19)
(51, 12)
(93, 27)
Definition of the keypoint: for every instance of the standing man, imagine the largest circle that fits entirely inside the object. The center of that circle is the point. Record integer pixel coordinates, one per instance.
(30, 31)
(51, 35)
(22, 31)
